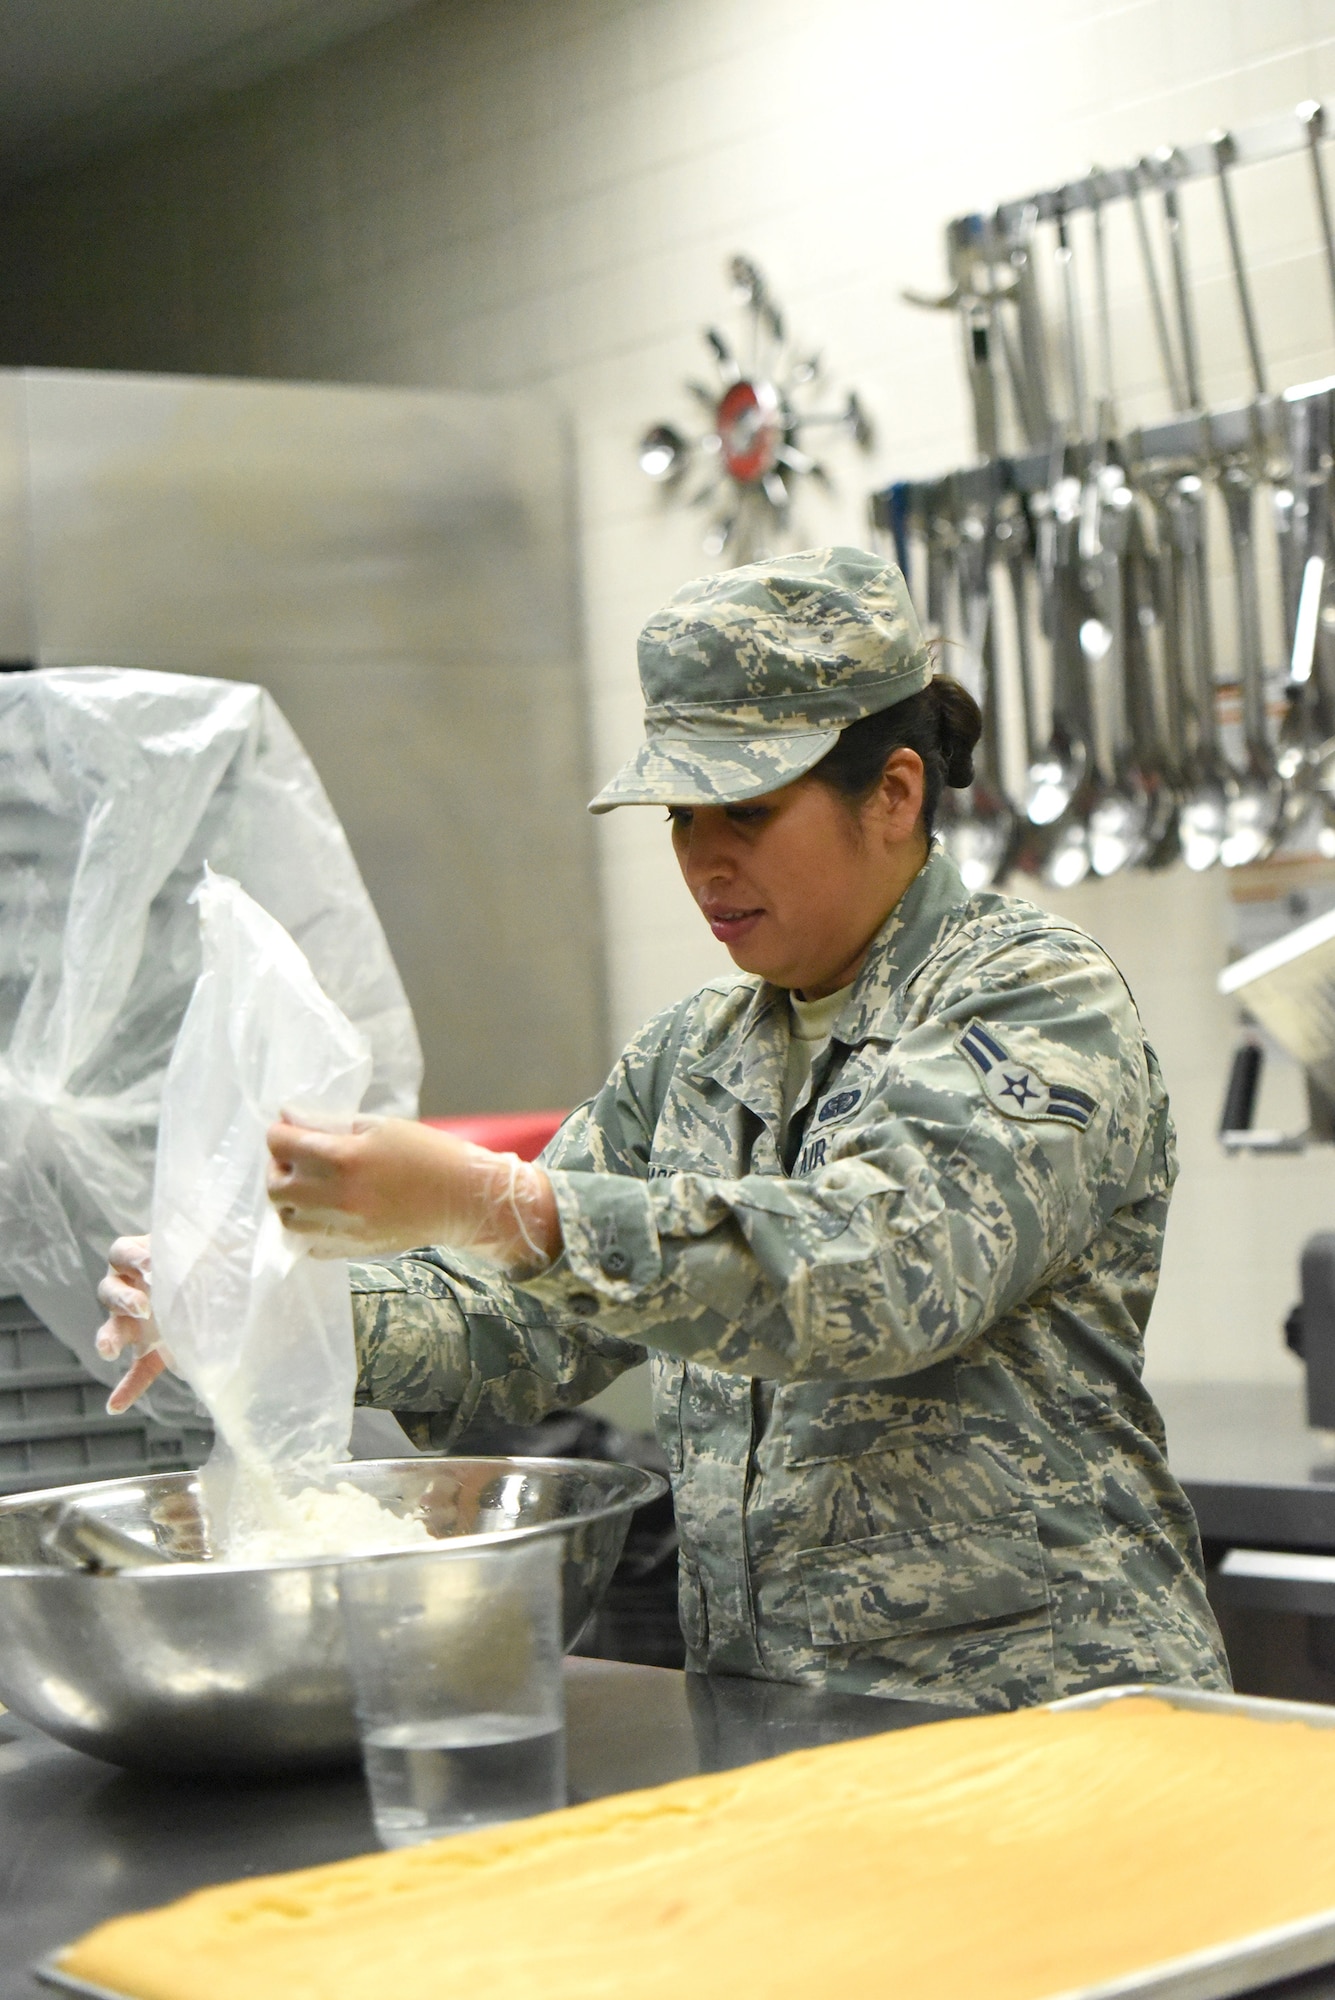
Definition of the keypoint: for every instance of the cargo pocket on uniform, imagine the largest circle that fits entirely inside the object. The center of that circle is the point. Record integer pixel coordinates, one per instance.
(692, 1610)
(925, 1580)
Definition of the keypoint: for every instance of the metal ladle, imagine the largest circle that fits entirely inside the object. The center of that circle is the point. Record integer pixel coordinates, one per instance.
(1152, 714)
(1202, 815)
(1256, 803)
(1256, 798)
(1307, 743)
(1056, 774)
(978, 825)
(1119, 813)
(1066, 860)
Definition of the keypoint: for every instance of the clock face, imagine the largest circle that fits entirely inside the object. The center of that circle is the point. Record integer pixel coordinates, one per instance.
(750, 458)
(750, 430)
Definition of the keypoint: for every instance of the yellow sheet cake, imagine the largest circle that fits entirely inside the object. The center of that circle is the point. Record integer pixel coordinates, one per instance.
(1018, 1855)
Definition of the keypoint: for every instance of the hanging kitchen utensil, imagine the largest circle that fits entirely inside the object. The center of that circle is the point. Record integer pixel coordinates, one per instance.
(1150, 699)
(1118, 813)
(939, 539)
(1033, 332)
(1059, 789)
(1177, 392)
(1013, 533)
(1164, 167)
(1105, 408)
(1055, 775)
(1256, 799)
(1313, 117)
(1225, 152)
(1073, 343)
(1307, 752)
(1162, 609)
(1202, 816)
(1017, 546)
(977, 826)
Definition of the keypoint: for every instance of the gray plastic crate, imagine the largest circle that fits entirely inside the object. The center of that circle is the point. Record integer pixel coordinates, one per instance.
(54, 1427)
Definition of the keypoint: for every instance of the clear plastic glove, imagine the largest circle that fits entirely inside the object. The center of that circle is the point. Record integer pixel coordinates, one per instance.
(390, 1184)
(124, 1291)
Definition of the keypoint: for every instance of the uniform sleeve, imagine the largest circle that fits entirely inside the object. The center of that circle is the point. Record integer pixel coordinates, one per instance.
(436, 1339)
(992, 1139)
(439, 1335)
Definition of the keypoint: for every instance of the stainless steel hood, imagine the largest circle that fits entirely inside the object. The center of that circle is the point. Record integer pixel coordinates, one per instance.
(398, 568)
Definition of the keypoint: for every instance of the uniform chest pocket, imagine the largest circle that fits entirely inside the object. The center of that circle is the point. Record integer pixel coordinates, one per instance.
(824, 1421)
(924, 1580)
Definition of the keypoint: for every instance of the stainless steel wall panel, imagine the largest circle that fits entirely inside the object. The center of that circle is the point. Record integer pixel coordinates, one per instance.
(463, 800)
(16, 637)
(182, 522)
(398, 568)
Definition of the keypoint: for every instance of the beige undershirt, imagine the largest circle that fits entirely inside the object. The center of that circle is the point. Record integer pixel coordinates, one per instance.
(810, 1024)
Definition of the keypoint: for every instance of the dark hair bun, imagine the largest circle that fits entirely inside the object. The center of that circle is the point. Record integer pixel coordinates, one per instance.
(959, 724)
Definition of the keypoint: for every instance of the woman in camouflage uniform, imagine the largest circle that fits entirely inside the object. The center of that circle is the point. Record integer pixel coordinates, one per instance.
(883, 1209)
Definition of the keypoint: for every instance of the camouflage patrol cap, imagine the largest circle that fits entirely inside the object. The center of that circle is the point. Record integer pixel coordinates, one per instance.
(750, 675)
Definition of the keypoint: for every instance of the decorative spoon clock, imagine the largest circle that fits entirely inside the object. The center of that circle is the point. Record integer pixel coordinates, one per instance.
(747, 464)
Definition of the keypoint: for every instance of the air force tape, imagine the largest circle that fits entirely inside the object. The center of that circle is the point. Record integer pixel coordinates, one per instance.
(1018, 1090)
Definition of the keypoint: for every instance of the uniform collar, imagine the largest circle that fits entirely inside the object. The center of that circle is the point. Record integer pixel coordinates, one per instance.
(748, 1060)
(926, 912)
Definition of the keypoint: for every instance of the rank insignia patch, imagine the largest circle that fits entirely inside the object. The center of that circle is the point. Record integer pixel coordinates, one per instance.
(838, 1106)
(1016, 1089)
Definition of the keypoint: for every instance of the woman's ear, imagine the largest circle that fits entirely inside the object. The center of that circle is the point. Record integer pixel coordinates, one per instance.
(897, 800)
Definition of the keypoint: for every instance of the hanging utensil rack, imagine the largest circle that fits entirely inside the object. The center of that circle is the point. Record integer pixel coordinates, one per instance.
(1084, 543)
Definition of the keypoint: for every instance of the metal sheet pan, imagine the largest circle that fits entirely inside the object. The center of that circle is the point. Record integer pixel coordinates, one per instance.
(50, 1975)
(1248, 1962)
(1224, 1970)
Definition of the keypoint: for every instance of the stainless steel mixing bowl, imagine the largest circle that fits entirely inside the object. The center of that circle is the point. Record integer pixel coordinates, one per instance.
(199, 1665)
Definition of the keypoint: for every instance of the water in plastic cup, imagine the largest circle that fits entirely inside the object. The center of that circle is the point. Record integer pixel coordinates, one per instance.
(456, 1670)
(429, 1778)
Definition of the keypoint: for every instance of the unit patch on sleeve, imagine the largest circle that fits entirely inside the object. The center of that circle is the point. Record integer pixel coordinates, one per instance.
(1017, 1089)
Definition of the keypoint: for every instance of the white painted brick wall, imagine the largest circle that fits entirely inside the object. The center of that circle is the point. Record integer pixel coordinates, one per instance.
(545, 191)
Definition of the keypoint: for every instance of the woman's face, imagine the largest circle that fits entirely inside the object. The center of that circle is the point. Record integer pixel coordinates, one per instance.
(796, 884)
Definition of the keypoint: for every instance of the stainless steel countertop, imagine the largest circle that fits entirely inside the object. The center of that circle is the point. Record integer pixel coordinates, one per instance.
(81, 1841)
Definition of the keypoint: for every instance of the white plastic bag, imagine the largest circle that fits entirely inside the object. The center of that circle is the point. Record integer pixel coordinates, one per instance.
(116, 786)
(260, 1330)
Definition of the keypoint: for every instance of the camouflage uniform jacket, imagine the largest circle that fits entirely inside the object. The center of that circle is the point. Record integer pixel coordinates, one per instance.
(895, 1353)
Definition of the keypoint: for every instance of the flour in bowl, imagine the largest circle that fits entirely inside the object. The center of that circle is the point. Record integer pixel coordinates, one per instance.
(325, 1521)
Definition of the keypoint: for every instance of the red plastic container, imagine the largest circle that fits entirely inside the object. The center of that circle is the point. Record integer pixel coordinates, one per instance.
(522, 1132)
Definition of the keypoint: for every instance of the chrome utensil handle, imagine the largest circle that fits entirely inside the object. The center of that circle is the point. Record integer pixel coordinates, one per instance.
(1177, 391)
(1237, 486)
(1225, 152)
(1165, 164)
(1188, 516)
(1311, 422)
(1014, 534)
(1313, 116)
(1033, 332)
(1164, 560)
(1075, 351)
(1106, 411)
(79, 1540)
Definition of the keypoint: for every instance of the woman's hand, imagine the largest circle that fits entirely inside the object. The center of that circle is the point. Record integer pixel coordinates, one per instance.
(124, 1291)
(391, 1184)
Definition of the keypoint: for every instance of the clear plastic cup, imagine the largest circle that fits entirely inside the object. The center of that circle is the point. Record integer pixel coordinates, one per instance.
(456, 1674)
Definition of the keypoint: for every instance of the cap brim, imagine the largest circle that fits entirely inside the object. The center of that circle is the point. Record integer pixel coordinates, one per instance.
(712, 771)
